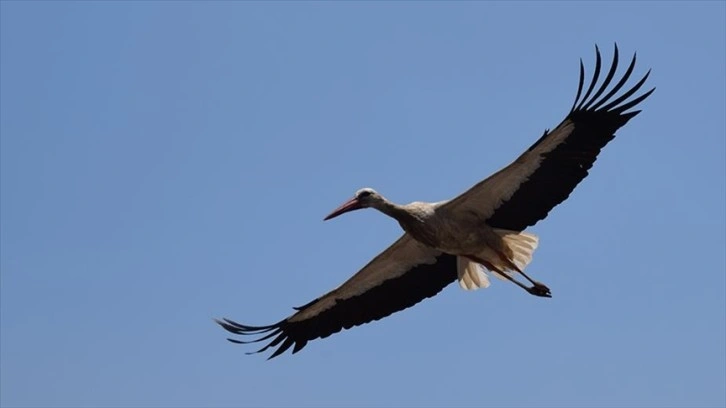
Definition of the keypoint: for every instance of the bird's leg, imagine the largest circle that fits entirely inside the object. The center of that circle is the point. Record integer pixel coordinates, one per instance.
(538, 286)
(511, 279)
(537, 289)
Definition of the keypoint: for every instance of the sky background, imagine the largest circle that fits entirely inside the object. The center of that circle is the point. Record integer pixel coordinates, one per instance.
(165, 163)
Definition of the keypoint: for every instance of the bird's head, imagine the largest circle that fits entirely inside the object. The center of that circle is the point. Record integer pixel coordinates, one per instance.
(364, 198)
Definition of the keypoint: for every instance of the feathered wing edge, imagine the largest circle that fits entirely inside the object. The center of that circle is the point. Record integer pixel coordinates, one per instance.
(417, 273)
(565, 154)
(267, 333)
(620, 104)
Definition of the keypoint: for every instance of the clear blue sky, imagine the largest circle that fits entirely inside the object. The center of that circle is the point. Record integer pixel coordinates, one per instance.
(166, 163)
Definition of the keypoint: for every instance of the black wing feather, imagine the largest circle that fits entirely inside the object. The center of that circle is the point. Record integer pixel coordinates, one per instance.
(393, 295)
(593, 81)
(564, 167)
(608, 78)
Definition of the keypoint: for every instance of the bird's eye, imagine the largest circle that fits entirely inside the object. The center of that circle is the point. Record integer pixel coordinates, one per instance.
(364, 194)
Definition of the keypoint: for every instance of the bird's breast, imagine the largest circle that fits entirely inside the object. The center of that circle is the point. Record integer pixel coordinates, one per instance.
(450, 236)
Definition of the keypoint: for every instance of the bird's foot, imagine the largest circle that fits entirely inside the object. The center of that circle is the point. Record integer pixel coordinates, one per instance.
(540, 290)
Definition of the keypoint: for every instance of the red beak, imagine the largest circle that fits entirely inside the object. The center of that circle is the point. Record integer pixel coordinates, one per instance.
(351, 205)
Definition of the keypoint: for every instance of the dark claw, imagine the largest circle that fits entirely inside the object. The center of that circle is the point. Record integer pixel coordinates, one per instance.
(540, 290)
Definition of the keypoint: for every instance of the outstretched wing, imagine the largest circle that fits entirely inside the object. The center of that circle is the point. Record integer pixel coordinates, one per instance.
(524, 192)
(401, 276)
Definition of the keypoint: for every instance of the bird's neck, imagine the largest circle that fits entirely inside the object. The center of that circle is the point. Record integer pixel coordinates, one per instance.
(393, 210)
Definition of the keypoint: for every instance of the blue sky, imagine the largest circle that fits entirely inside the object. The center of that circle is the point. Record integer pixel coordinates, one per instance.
(166, 163)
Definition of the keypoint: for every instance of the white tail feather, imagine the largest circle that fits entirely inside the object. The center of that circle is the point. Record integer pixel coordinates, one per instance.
(520, 244)
(471, 274)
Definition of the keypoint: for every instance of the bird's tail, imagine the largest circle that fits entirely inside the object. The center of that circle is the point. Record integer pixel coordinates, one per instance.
(519, 247)
(471, 274)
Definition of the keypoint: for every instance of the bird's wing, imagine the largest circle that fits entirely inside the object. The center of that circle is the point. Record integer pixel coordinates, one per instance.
(524, 192)
(401, 276)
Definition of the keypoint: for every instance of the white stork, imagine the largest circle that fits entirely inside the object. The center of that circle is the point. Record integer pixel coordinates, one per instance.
(480, 230)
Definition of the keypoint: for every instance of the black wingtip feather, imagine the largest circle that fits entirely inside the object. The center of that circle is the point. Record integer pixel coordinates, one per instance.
(299, 346)
(283, 348)
(616, 106)
(606, 103)
(593, 81)
(608, 78)
(616, 88)
(580, 85)
(594, 119)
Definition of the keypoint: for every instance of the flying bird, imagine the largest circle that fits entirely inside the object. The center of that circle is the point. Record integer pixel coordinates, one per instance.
(477, 234)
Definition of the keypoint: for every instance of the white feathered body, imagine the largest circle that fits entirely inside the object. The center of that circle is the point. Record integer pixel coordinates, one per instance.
(471, 239)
